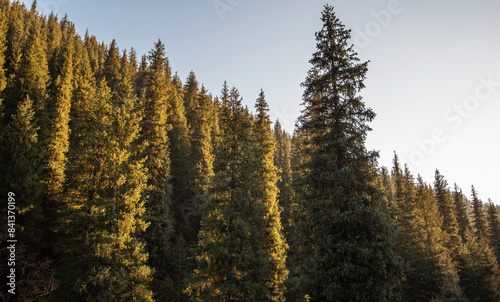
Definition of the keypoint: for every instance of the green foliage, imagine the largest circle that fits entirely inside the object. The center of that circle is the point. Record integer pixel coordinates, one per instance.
(461, 211)
(479, 272)
(350, 245)
(479, 218)
(104, 213)
(158, 193)
(494, 228)
(447, 212)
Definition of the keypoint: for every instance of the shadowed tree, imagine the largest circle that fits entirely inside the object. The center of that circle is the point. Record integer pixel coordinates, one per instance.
(351, 248)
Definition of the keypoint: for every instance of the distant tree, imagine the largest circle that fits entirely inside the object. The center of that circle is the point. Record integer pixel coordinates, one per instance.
(479, 218)
(282, 162)
(447, 212)
(479, 272)
(461, 211)
(351, 246)
(154, 129)
(494, 228)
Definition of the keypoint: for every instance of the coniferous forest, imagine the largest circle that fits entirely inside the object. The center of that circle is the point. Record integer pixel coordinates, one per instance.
(132, 184)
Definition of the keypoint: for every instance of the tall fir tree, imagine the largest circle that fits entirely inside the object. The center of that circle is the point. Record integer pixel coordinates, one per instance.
(21, 154)
(447, 211)
(266, 192)
(283, 163)
(57, 143)
(461, 211)
(493, 227)
(479, 271)
(352, 249)
(158, 194)
(479, 218)
(106, 257)
(233, 260)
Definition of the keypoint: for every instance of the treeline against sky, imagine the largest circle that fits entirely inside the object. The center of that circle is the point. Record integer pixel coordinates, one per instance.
(134, 185)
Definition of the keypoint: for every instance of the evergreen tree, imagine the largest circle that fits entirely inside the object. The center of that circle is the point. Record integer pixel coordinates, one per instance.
(22, 172)
(233, 259)
(494, 228)
(158, 194)
(461, 210)
(479, 218)
(447, 212)
(479, 272)
(282, 162)
(442, 279)
(57, 144)
(351, 244)
(105, 214)
(111, 68)
(266, 193)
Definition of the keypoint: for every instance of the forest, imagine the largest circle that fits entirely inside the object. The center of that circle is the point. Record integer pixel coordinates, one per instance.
(120, 181)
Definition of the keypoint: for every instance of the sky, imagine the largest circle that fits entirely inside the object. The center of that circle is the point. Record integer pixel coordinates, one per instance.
(433, 78)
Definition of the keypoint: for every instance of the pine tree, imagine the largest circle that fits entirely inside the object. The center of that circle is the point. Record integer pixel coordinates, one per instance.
(233, 260)
(266, 193)
(111, 67)
(22, 171)
(479, 219)
(442, 279)
(105, 213)
(494, 228)
(158, 194)
(282, 162)
(57, 143)
(461, 210)
(447, 212)
(352, 249)
(479, 272)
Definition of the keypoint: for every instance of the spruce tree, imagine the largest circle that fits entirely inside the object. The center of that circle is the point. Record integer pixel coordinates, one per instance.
(233, 252)
(479, 219)
(494, 227)
(56, 144)
(158, 193)
(352, 250)
(21, 168)
(283, 164)
(447, 212)
(266, 193)
(479, 271)
(105, 213)
(461, 210)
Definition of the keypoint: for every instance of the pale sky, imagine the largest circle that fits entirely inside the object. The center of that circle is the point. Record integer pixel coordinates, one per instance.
(433, 79)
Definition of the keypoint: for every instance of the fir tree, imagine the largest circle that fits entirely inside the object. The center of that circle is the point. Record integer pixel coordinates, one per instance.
(158, 194)
(461, 210)
(351, 244)
(447, 212)
(266, 193)
(494, 227)
(22, 171)
(479, 272)
(233, 251)
(282, 162)
(479, 219)
(105, 214)
(57, 144)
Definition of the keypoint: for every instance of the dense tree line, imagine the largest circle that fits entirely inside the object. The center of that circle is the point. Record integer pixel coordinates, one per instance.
(132, 185)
